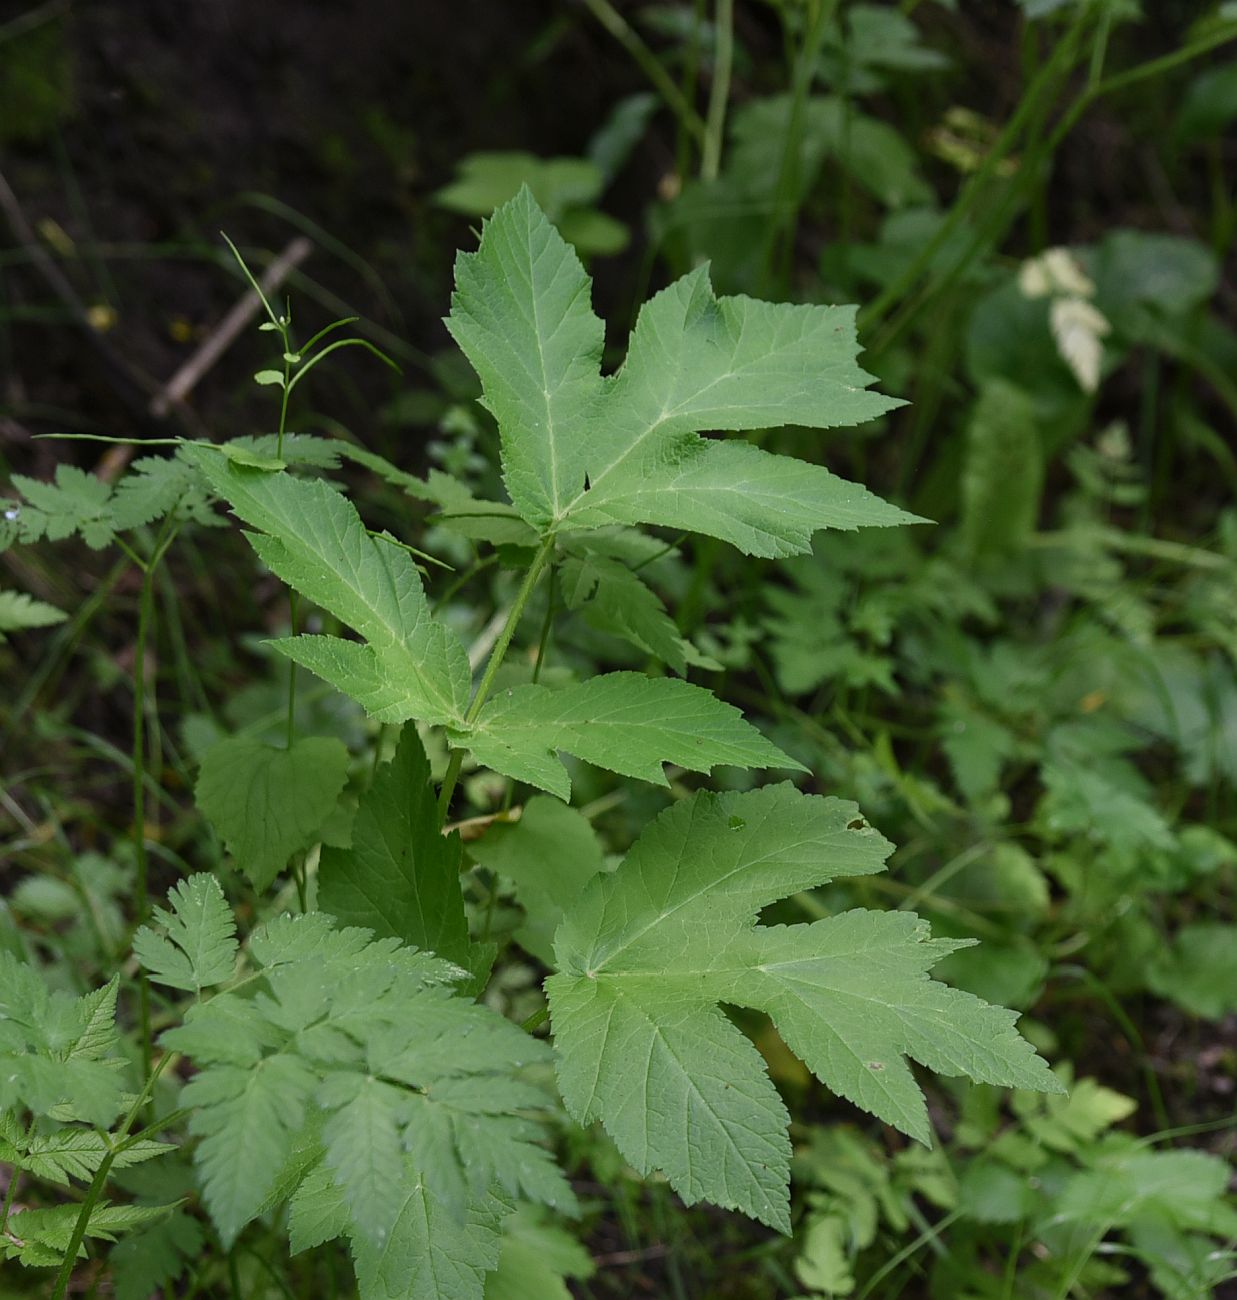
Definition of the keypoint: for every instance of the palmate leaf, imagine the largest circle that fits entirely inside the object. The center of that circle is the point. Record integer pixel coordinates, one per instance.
(410, 665)
(624, 722)
(580, 451)
(648, 952)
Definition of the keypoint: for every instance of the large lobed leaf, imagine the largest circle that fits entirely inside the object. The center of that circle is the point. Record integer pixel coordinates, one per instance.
(581, 451)
(649, 952)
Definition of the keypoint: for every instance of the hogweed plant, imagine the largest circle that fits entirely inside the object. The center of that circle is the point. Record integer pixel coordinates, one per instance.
(340, 1077)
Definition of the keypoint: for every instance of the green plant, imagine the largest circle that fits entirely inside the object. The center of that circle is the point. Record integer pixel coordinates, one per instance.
(345, 1073)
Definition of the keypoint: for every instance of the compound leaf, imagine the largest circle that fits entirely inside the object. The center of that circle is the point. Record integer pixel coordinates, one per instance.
(41, 1237)
(267, 803)
(363, 1041)
(536, 1258)
(76, 1153)
(363, 1148)
(76, 502)
(649, 951)
(156, 486)
(56, 1051)
(155, 1257)
(199, 947)
(247, 1118)
(401, 876)
(624, 722)
(410, 665)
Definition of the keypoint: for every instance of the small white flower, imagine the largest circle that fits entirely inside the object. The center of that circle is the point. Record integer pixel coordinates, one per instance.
(1055, 273)
(1079, 330)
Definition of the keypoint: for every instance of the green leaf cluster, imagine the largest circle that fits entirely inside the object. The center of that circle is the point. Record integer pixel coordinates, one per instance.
(343, 1075)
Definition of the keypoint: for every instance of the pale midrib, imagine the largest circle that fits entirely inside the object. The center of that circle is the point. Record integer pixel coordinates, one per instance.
(354, 571)
(551, 435)
(746, 865)
(706, 888)
(665, 416)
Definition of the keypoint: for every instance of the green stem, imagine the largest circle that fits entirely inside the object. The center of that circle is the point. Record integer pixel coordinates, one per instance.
(719, 93)
(491, 668)
(145, 609)
(285, 394)
(464, 578)
(1128, 1028)
(547, 627)
(785, 215)
(933, 1232)
(291, 719)
(299, 877)
(1038, 93)
(13, 1180)
(142, 893)
(691, 79)
(536, 1020)
(115, 1144)
(663, 83)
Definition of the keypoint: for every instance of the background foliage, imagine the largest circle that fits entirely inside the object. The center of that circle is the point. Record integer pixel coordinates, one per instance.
(1033, 206)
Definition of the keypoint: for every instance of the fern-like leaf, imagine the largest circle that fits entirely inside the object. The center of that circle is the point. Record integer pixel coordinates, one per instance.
(198, 948)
